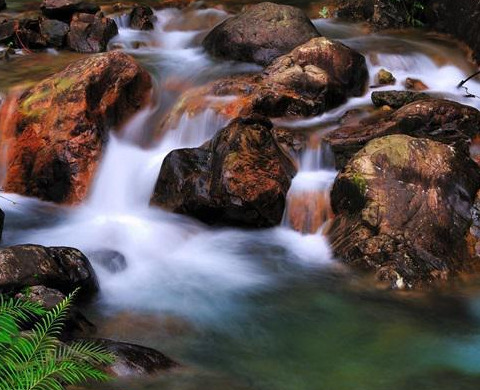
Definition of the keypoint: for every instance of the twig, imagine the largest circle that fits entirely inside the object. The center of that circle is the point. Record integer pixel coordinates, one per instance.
(27, 50)
(461, 83)
(8, 200)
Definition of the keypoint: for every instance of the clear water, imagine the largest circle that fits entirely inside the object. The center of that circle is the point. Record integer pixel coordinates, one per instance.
(243, 309)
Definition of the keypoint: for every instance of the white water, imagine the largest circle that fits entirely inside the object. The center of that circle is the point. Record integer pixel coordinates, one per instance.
(175, 264)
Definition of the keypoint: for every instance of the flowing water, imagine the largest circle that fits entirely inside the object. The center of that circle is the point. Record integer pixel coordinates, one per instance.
(242, 309)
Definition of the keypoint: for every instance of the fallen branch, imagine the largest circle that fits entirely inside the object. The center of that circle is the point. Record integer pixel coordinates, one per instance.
(461, 84)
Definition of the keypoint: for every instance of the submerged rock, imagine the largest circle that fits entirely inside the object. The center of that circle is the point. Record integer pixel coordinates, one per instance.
(134, 360)
(260, 34)
(402, 209)
(59, 268)
(142, 18)
(58, 128)
(240, 177)
(91, 33)
(64, 9)
(109, 259)
(441, 120)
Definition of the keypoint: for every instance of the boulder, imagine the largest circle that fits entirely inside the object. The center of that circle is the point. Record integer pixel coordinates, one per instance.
(91, 33)
(402, 210)
(312, 78)
(58, 128)
(64, 9)
(54, 31)
(142, 18)
(396, 99)
(441, 120)
(240, 177)
(322, 70)
(260, 34)
(134, 360)
(59, 268)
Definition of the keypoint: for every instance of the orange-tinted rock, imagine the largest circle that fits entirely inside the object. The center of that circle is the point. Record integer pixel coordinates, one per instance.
(307, 211)
(403, 210)
(415, 84)
(56, 130)
(240, 177)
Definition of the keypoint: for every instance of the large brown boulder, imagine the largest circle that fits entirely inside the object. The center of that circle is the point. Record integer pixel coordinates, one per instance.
(60, 268)
(260, 34)
(312, 78)
(240, 177)
(56, 130)
(402, 209)
(91, 33)
(64, 9)
(322, 70)
(441, 120)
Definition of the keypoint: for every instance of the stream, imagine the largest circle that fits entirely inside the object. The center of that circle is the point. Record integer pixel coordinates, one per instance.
(249, 309)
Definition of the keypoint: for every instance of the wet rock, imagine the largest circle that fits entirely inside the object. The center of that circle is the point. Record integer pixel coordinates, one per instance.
(402, 210)
(134, 360)
(7, 29)
(396, 99)
(64, 9)
(415, 84)
(240, 177)
(441, 120)
(28, 35)
(60, 268)
(458, 18)
(142, 18)
(381, 14)
(54, 31)
(320, 69)
(5, 55)
(58, 128)
(384, 77)
(260, 34)
(91, 33)
(108, 259)
(314, 77)
(76, 323)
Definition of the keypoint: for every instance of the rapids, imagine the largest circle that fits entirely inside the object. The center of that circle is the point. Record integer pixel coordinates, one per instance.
(246, 309)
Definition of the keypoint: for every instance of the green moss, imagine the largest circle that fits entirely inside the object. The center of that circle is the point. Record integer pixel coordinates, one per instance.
(360, 182)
